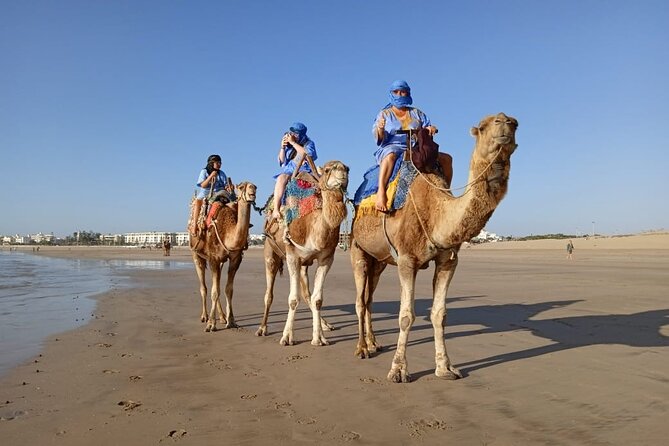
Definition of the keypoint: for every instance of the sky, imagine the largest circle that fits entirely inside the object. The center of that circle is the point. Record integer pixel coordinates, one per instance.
(108, 110)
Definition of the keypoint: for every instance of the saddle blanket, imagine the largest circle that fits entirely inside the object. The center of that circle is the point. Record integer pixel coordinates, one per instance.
(301, 198)
(401, 178)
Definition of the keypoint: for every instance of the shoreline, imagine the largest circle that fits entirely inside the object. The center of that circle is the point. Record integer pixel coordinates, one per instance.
(540, 340)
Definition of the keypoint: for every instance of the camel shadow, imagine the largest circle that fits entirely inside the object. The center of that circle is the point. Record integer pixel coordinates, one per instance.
(634, 330)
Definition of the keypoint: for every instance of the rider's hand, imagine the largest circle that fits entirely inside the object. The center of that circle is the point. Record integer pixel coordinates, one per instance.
(381, 123)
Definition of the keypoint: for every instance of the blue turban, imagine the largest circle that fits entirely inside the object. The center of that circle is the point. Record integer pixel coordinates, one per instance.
(400, 101)
(300, 130)
(400, 85)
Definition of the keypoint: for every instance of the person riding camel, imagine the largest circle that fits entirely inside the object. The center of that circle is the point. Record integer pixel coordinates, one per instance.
(294, 144)
(212, 184)
(397, 115)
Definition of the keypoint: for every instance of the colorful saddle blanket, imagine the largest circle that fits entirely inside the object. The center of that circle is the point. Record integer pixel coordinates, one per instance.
(401, 178)
(300, 199)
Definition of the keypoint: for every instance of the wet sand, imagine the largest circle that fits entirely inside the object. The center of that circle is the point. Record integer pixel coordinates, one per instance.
(553, 352)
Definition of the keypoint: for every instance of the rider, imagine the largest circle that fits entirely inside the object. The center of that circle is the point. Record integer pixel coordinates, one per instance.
(212, 180)
(294, 144)
(397, 115)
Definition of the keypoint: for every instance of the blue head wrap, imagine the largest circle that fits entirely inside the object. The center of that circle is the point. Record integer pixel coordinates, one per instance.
(400, 101)
(300, 130)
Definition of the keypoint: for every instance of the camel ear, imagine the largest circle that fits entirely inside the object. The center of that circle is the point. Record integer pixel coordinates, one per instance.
(475, 132)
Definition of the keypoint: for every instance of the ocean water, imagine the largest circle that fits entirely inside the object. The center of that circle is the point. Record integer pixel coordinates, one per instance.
(42, 296)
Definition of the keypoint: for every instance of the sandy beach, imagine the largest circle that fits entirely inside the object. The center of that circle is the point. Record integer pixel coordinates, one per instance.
(553, 352)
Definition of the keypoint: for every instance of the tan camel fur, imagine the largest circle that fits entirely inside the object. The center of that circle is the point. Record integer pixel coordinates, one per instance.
(275, 254)
(432, 225)
(225, 240)
(311, 238)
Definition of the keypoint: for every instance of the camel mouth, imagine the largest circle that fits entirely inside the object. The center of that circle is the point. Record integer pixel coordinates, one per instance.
(502, 139)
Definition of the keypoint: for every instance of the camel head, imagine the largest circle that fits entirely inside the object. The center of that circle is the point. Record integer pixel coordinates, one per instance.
(246, 192)
(495, 133)
(334, 176)
(491, 161)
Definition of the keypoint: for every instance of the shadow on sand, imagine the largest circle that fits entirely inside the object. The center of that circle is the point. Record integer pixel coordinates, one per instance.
(634, 330)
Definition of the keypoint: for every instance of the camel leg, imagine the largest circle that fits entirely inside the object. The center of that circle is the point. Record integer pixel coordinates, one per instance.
(399, 371)
(200, 266)
(215, 295)
(360, 264)
(304, 287)
(375, 270)
(318, 338)
(366, 273)
(272, 264)
(233, 265)
(219, 307)
(443, 273)
(293, 264)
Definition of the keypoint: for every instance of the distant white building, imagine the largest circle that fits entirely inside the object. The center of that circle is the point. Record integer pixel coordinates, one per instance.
(155, 238)
(180, 238)
(485, 236)
(39, 238)
(112, 239)
(21, 239)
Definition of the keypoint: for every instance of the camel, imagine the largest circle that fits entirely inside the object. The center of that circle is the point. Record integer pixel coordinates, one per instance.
(167, 246)
(309, 238)
(225, 240)
(432, 225)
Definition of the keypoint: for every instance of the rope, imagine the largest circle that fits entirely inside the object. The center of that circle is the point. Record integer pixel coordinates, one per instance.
(450, 188)
(422, 226)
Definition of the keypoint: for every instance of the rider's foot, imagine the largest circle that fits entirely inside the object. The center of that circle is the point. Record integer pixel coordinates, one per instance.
(381, 200)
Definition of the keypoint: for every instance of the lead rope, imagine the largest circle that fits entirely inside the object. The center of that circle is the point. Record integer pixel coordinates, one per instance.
(451, 189)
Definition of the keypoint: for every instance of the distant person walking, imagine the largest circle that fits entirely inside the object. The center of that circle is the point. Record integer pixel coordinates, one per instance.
(570, 249)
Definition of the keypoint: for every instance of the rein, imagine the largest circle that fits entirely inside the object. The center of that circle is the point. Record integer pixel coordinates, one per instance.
(213, 223)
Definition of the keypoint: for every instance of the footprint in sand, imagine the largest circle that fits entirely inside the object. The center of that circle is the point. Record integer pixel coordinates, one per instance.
(369, 380)
(249, 396)
(135, 377)
(11, 415)
(103, 344)
(129, 404)
(175, 435)
(350, 436)
(110, 371)
(419, 427)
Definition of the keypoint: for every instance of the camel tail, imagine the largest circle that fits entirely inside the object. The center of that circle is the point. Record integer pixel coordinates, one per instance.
(280, 266)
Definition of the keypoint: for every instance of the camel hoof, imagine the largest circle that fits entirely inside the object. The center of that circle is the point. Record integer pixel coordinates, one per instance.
(361, 353)
(450, 374)
(286, 341)
(231, 325)
(319, 342)
(262, 331)
(203, 319)
(209, 328)
(399, 376)
(325, 326)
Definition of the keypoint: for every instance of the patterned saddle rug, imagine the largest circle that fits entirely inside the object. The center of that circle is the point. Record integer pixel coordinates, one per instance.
(301, 198)
(401, 178)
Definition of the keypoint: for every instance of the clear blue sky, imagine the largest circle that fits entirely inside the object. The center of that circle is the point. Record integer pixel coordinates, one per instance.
(108, 109)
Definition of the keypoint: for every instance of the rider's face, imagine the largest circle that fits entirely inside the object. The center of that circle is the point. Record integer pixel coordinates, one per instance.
(400, 93)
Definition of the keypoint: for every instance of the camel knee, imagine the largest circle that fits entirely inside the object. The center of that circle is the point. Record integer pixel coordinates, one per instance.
(293, 304)
(406, 322)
